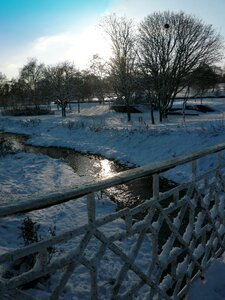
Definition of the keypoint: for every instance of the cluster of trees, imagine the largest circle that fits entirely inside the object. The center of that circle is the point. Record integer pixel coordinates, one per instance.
(39, 84)
(165, 54)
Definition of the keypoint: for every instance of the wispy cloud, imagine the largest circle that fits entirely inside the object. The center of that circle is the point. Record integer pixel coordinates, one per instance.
(77, 47)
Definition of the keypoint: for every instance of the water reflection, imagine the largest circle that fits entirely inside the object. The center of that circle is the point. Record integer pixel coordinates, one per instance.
(106, 169)
(95, 166)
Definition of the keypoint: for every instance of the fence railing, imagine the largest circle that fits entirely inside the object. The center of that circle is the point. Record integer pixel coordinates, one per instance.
(154, 249)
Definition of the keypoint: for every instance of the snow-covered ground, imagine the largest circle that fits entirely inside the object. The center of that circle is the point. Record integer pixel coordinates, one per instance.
(98, 129)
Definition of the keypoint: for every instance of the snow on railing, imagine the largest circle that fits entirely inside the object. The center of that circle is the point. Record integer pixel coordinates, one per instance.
(152, 250)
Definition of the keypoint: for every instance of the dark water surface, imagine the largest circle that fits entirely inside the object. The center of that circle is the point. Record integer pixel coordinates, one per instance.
(95, 166)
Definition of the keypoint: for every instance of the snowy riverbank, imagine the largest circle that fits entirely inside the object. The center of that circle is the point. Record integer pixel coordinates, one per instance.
(99, 130)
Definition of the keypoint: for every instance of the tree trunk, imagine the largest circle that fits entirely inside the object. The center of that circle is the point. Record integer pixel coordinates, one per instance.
(128, 112)
(152, 115)
(160, 116)
(63, 111)
(64, 105)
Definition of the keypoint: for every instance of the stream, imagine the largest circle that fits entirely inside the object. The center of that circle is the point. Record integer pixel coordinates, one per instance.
(96, 166)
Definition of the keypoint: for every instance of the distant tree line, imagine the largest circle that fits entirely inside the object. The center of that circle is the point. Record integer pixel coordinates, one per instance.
(151, 62)
(62, 83)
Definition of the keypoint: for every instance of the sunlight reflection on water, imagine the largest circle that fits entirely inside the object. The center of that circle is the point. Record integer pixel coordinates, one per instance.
(106, 168)
(93, 166)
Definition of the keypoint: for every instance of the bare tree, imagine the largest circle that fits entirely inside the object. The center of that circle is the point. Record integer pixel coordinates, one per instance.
(84, 83)
(30, 75)
(203, 79)
(122, 63)
(18, 93)
(171, 47)
(60, 80)
(4, 90)
(99, 70)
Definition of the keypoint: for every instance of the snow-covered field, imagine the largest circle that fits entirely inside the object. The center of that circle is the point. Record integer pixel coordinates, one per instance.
(102, 131)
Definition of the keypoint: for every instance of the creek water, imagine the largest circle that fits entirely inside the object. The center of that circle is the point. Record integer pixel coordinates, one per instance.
(96, 166)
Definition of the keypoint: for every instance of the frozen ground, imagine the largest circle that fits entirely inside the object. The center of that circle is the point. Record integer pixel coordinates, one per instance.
(99, 130)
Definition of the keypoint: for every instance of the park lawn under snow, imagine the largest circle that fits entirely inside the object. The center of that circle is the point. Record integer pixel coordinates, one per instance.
(100, 130)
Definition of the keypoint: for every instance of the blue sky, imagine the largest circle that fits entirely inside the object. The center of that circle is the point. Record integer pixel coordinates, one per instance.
(26, 19)
(58, 30)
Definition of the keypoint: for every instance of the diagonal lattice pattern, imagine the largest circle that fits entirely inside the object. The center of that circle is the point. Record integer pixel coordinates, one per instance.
(157, 249)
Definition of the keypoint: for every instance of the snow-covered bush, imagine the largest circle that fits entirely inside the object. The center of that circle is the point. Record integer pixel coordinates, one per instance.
(73, 124)
(213, 128)
(29, 122)
(30, 233)
(6, 146)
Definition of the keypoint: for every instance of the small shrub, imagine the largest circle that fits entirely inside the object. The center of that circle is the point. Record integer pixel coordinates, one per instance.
(96, 128)
(6, 147)
(213, 129)
(69, 124)
(29, 231)
(73, 125)
(30, 234)
(30, 123)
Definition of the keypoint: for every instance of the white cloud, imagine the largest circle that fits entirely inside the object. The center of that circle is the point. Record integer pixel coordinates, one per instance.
(77, 46)
(70, 46)
(10, 70)
(43, 43)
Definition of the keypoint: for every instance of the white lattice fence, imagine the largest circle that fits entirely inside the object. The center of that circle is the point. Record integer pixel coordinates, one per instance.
(157, 249)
